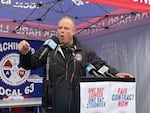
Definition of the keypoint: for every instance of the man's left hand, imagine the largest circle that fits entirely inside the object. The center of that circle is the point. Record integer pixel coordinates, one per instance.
(124, 75)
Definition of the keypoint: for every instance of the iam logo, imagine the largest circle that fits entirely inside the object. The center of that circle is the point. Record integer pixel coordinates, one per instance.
(10, 73)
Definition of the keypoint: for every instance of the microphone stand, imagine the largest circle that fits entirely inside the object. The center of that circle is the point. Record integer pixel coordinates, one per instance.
(75, 85)
(50, 88)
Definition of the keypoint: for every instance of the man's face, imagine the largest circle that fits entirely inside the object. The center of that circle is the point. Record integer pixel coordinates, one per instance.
(65, 31)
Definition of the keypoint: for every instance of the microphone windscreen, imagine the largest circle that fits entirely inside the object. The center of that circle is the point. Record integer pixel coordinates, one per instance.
(54, 38)
(89, 68)
(103, 69)
(52, 43)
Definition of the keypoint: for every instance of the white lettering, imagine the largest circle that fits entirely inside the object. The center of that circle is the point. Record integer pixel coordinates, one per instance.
(141, 16)
(6, 2)
(113, 22)
(4, 28)
(29, 89)
(1, 48)
(28, 31)
(23, 30)
(49, 33)
(8, 46)
(10, 92)
(2, 91)
(16, 92)
(119, 20)
(29, 5)
(143, 1)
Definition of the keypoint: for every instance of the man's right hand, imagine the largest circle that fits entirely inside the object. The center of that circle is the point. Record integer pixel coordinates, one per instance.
(24, 47)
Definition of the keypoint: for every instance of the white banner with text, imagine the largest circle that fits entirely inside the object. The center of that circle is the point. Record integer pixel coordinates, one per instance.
(107, 96)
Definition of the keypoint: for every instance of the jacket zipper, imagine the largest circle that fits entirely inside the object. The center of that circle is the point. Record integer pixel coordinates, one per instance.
(66, 71)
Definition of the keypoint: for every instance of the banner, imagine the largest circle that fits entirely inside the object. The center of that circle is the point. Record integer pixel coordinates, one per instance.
(29, 30)
(135, 5)
(107, 96)
(15, 81)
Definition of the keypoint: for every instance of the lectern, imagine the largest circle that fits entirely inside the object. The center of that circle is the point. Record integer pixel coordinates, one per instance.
(107, 95)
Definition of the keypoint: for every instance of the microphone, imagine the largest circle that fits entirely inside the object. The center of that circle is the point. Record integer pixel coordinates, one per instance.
(104, 71)
(49, 44)
(92, 70)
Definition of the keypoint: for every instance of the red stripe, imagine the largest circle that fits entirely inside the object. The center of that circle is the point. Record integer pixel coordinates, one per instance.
(134, 5)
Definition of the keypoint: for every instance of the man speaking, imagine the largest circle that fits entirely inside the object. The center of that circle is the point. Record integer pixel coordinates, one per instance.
(65, 60)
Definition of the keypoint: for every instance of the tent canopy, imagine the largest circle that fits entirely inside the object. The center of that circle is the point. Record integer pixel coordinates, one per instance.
(35, 18)
(49, 11)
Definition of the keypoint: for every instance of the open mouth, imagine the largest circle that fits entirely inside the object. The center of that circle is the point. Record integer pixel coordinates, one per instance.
(61, 37)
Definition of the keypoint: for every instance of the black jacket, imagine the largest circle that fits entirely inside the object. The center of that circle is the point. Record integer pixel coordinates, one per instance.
(65, 67)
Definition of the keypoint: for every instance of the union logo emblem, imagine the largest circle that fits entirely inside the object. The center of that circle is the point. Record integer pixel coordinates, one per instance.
(11, 73)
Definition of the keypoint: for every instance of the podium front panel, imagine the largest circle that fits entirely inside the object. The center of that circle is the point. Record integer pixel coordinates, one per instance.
(107, 95)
